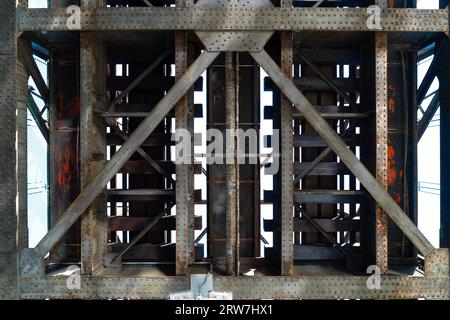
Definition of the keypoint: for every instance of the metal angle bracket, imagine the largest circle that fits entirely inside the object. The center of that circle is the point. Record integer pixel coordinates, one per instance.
(243, 41)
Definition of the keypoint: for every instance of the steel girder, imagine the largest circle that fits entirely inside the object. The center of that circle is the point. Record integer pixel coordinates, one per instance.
(268, 287)
(249, 19)
(260, 19)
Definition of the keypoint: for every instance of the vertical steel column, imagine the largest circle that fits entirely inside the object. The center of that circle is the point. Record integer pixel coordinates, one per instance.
(231, 163)
(381, 146)
(22, 181)
(8, 174)
(64, 113)
(93, 98)
(237, 172)
(287, 142)
(184, 172)
(22, 142)
(444, 96)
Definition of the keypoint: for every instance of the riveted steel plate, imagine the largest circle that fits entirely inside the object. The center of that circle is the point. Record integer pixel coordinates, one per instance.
(101, 287)
(234, 40)
(335, 287)
(234, 19)
(437, 263)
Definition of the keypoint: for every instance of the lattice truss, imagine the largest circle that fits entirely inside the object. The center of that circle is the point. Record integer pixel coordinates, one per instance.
(122, 78)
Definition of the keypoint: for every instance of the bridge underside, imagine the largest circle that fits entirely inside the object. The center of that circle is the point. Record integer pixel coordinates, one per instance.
(331, 97)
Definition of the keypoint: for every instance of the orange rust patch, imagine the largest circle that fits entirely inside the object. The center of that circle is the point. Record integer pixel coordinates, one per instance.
(397, 197)
(392, 174)
(391, 105)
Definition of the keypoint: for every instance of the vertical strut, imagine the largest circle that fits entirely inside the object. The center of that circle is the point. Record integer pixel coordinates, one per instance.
(184, 172)
(287, 171)
(231, 163)
(381, 222)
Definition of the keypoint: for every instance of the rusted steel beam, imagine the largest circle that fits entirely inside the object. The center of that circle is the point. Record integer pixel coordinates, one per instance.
(64, 120)
(119, 132)
(126, 223)
(267, 287)
(329, 225)
(139, 150)
(93, 96)
(185, 254)
(423, 124)
(381, 83)
(322, 231)
(444, 100)
(30, 64)
(347, 130)
(232, 198)
(348, 157)
(232, 19)
(137, 80)
(23, 98)
(94, 188)
(287, 144)
(328, 81)
(8, 154)
(155, 139)
(143, 232)
(40, 122)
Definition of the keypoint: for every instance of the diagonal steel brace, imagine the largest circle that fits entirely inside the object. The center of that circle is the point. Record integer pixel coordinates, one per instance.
(148, 125)
(341, 149)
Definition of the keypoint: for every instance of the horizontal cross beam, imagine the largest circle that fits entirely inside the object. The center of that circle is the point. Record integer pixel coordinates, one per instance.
(267, 287)
(261, 19)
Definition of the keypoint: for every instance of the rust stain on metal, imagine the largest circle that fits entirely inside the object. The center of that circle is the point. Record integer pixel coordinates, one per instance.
(67, 171)
(71, 107)
(392, 173)
(391, 104)
(393, 93)
(397, 197)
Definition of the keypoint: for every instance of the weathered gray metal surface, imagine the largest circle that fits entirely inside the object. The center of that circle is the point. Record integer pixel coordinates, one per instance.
(184, 172)
(137, 80)
(235, 40)
(8, 174)
(381, 222)
(268, 19)
(93, 189)
(287, 144)
(295, 287)
(26, 56)
(348, 157)
(22, 74)
(231, 177)
(142, 233)
(437, 263)
(93, 97)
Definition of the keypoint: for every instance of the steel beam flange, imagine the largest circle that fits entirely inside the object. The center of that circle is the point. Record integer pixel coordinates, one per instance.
(30, 264)
(234, 40)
